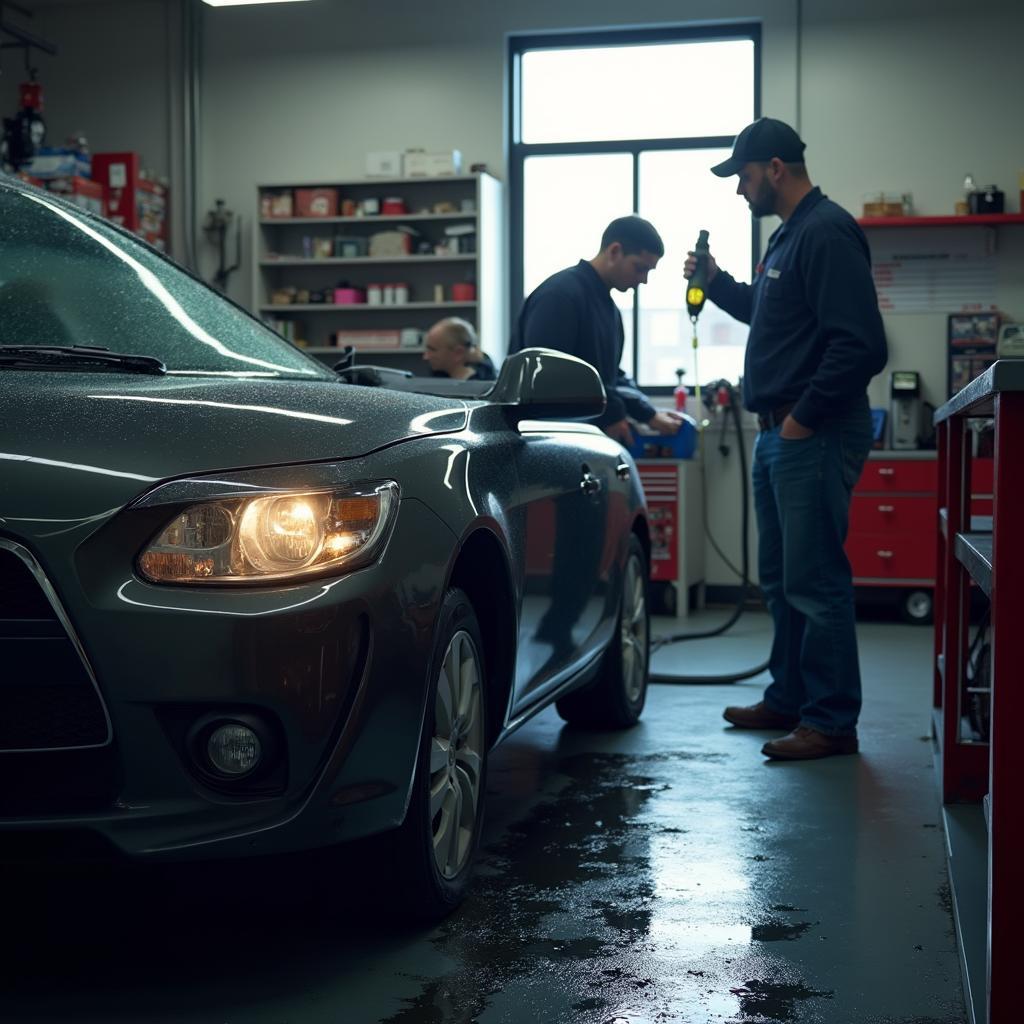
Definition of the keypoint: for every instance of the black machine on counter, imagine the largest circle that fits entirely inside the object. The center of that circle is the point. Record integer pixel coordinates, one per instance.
(905, 409)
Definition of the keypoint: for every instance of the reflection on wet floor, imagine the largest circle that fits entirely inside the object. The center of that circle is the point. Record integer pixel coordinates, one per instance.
(597, 889)
(665, 874)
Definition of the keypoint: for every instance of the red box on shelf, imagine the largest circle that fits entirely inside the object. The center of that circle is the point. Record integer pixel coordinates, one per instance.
(316, 202)
(133, 201)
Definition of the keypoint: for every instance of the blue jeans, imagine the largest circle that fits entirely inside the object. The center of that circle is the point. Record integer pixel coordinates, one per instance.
(802, 495)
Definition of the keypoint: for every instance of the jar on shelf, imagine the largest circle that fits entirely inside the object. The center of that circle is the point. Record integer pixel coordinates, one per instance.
(401, 294)
(374, 294)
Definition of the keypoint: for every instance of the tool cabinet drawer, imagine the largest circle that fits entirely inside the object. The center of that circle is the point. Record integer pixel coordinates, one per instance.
(881, 556)
(897, 515)
(899, 475)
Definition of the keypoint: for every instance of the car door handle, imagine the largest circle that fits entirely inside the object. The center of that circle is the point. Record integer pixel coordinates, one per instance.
(622, 470)
(590, 484)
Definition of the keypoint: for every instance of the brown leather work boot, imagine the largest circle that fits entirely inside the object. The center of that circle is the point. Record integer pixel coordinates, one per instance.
(759, 716)
(804, 743)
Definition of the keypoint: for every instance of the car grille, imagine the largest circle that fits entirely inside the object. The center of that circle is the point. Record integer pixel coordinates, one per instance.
(56, 754)
(47, 699)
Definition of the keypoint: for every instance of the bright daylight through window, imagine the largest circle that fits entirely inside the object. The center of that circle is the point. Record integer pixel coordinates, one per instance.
(605, 130)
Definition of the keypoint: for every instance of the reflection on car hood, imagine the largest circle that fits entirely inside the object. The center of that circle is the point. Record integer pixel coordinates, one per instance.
(87, 443)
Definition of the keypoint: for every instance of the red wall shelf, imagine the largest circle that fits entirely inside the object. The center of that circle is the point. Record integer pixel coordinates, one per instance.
(956, 220)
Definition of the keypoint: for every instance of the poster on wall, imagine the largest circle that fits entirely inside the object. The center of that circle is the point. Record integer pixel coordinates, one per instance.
(937, 272)
(971, 346)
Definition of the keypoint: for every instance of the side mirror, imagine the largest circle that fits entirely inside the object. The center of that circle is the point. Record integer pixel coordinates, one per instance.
(540, 383)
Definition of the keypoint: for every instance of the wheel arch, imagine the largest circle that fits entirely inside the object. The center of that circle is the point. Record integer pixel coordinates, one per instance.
(643, 534)
(482, 572)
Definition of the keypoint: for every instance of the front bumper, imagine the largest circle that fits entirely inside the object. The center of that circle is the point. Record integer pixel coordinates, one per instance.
(338, 665)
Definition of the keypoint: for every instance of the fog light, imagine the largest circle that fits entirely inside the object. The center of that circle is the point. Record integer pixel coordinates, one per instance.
(233, 749)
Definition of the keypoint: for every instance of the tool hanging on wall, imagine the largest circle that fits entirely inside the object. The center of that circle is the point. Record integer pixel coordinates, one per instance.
(216, 227)
(24, 133)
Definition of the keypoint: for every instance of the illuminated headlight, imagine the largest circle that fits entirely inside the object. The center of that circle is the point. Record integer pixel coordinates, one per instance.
(279, 536)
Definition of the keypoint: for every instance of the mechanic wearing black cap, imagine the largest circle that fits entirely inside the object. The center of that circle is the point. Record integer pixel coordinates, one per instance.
(816, 340)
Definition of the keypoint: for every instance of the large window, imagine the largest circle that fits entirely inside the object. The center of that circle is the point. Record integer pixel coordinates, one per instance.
(605, 124)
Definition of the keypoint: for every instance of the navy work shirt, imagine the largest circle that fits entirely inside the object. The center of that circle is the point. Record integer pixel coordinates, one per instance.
(572, 311)
(816, 335)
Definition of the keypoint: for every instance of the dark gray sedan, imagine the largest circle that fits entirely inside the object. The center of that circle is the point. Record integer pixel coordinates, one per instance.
(249, 605)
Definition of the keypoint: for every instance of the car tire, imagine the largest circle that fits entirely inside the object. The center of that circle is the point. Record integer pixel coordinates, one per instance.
(615, 699)
(437, 843)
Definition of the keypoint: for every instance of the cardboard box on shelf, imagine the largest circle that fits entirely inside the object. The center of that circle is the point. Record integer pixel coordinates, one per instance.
(384, 164)
(316, 202)
(390, 244)
(277, 204)
(367, 339)
(420, 164)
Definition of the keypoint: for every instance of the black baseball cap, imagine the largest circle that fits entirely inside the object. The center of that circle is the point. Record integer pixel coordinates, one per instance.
(760, 142)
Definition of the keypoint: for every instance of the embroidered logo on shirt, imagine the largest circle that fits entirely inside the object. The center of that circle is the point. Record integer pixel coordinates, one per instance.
(774, 274)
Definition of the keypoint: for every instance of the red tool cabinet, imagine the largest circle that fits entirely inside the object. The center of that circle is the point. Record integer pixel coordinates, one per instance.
(674, 507)
(891, 538)
(980, 782)
(134, 201)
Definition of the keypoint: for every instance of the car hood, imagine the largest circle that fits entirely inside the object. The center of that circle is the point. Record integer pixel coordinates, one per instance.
(79, 443)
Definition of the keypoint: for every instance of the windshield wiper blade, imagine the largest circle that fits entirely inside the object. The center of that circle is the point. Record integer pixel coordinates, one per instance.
(78, 355)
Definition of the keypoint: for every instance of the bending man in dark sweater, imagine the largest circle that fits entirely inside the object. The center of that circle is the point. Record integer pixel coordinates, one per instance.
(816, 340)
(572, 311)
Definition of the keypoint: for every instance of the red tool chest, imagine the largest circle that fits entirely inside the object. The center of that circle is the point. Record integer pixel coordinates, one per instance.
(891, 541)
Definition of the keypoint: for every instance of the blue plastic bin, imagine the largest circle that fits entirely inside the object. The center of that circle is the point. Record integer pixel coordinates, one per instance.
(672, 446)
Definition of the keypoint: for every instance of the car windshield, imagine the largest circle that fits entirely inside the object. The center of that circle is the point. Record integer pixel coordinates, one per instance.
(67, 278)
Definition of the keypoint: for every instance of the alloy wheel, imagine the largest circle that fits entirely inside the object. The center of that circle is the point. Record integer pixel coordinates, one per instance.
(633, 626)
(456, 755)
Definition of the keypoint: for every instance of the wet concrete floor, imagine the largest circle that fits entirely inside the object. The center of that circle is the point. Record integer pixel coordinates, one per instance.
(665, 874)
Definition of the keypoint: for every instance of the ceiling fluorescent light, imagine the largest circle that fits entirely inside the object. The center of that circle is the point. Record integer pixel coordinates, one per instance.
(247, 3)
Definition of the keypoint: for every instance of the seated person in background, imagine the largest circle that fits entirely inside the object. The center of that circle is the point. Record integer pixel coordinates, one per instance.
(452, 351)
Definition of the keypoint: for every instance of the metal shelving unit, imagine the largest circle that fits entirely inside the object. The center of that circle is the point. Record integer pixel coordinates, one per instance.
(376, 218)
(954, 221)
(357, 261)
(362, 308)
(282, 260)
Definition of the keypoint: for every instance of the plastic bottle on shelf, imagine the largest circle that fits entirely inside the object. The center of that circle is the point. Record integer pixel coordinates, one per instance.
(681, 394)
(963, 206)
